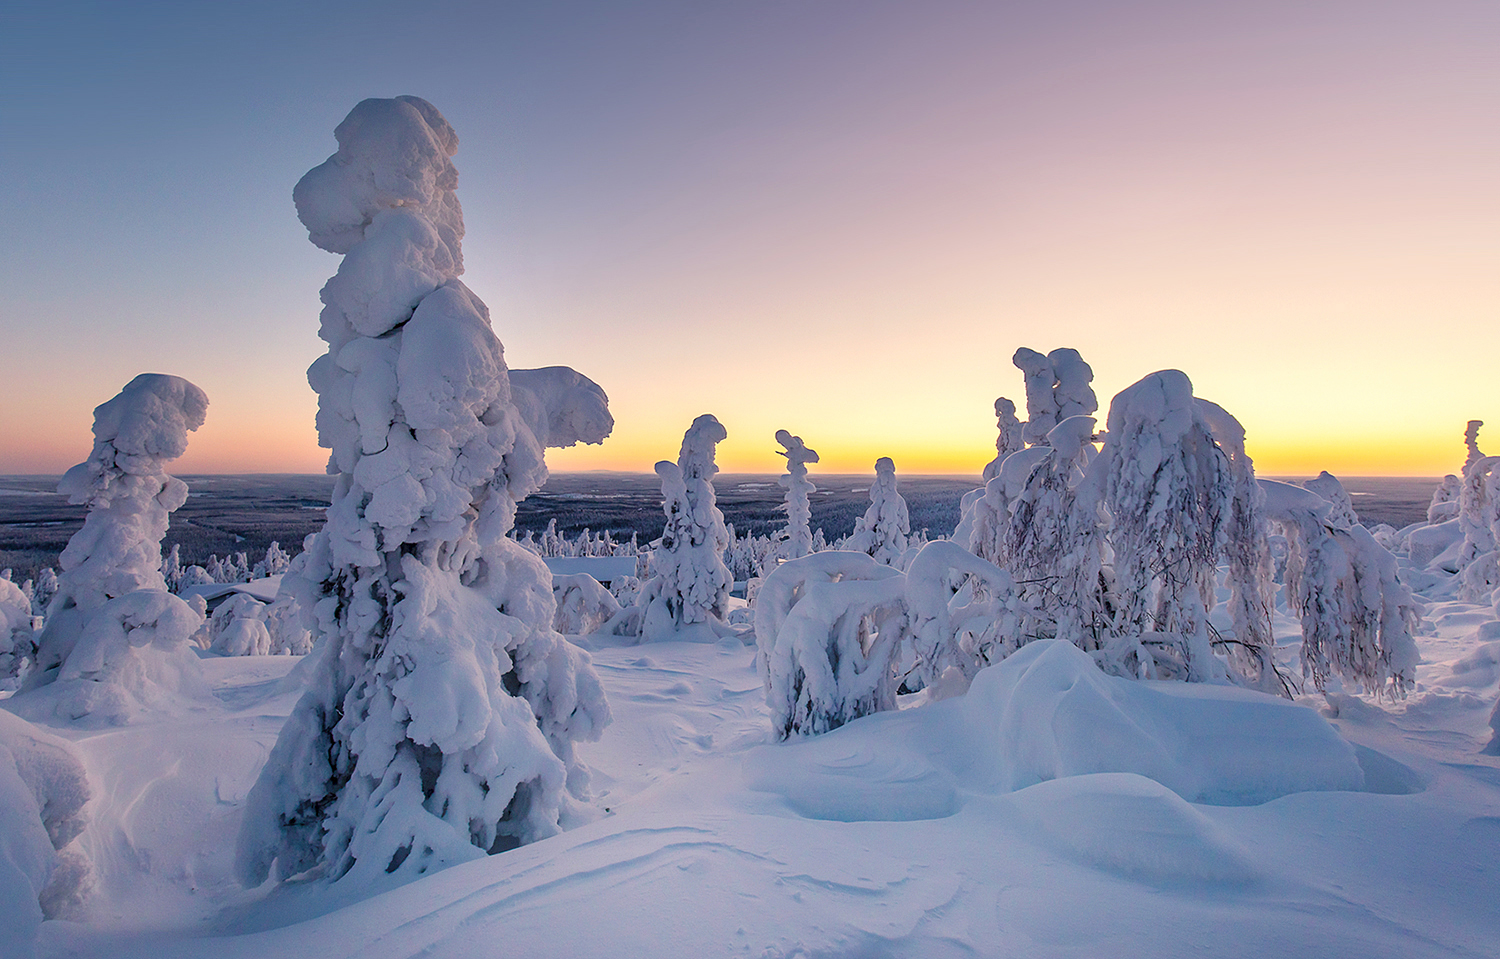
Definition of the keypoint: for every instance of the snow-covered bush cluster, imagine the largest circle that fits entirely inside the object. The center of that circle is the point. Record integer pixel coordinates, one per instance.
(442, 706)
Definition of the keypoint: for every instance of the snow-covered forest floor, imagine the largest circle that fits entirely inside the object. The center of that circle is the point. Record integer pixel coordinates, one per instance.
(896, 835)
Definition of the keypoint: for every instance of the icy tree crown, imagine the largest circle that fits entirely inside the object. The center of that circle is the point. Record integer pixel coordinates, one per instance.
(1057, 388)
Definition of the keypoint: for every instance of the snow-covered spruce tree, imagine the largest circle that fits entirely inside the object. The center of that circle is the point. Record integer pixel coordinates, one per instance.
(1057, 387)
(881, 533)
(441, 710)
(1251, 570)
(1009, 439)
(1357, 616)
(1169, 491)
(238, 627)
(798, 488)
(115, 640)
(1479, 519)
(688, 596)
(275, 562)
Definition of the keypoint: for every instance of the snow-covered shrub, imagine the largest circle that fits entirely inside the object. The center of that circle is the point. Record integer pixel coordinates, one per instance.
(583, 604)
(238, 627)
(442, 708)
(115, 640)
(17, 641)
(827, 627)
(689, 589)
(1169, 491)
(798, 487)
(1248, 556)
(1357, 616)
(882, 532)
(43, 591)
(43, 873)
(1009, 439)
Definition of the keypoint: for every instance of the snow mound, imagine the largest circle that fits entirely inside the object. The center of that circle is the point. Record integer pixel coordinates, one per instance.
(1053, 714)
(1134, 827)
(852, 779)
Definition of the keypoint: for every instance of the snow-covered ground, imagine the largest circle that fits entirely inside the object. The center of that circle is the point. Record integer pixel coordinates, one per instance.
(901, 834)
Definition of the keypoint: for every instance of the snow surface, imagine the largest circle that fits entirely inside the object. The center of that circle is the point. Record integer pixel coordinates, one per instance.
(894, 835)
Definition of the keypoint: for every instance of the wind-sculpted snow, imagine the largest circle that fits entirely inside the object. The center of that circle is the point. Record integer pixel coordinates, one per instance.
(115, 640)
(442, 709)
(43, 793)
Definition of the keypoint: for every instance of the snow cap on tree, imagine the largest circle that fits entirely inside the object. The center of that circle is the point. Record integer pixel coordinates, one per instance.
(1471, 441)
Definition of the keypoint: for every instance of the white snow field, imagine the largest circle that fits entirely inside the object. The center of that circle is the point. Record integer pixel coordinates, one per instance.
(1050, 811)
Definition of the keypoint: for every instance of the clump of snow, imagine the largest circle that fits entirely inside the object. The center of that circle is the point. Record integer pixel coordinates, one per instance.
(442, 709)
(882, 531)
(799, 538)
(43, 792)
(115, 641)
(1057, 388)
(688, 596)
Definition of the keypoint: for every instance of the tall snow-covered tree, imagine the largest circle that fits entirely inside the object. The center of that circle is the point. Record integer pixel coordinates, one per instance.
(798, 488)
(1471, 441)
(882, 532)
(441, 709)
(689, 593)
(115, 640)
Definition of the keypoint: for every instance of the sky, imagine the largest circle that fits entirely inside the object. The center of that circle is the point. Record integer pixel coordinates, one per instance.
(839, 218)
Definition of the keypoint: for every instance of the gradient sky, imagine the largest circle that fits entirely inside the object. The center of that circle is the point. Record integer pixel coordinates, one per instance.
(840, 218)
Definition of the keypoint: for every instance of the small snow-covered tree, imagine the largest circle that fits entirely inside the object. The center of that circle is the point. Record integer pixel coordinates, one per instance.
(1169, 491)
(1357, 616)
(1009, 439)
(238, 627)
(1444, 504)
(827, 627)
(882, 532)
(689, 592)
(45, 589)
(798, 488)
(583, 604)
(275, 562)
(442, 709)
(115, 640)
